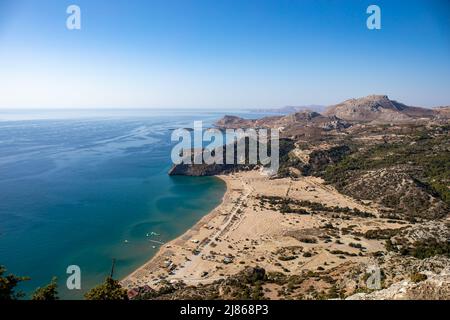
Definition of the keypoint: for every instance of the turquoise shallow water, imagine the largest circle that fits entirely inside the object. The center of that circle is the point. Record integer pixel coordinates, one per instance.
(88, 188)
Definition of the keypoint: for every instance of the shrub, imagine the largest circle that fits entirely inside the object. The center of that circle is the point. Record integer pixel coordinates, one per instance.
(418, 277)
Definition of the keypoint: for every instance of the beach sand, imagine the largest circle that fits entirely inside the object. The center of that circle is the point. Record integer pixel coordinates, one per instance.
(240, 232)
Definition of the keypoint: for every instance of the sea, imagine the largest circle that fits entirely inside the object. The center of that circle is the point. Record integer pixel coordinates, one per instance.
(86, 187)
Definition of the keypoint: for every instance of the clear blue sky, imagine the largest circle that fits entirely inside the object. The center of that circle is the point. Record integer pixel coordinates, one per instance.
(221, 53)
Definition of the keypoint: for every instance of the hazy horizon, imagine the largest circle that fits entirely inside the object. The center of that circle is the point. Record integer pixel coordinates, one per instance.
(188, 108)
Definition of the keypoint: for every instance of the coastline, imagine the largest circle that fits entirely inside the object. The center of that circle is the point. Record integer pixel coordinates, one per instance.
(167, 250)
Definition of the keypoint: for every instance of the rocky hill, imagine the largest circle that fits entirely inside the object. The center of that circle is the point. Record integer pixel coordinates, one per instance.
(377, 108)
(442, 113)
(373, 109)
(304, 123)
(302, 117)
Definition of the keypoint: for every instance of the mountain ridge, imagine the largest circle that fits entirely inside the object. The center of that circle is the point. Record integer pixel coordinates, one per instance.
(377, 108)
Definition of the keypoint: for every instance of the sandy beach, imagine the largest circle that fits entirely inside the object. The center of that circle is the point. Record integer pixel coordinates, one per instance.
(242, 231)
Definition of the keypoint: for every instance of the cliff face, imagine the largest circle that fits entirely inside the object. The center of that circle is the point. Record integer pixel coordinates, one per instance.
(203, 169)
(200, 170)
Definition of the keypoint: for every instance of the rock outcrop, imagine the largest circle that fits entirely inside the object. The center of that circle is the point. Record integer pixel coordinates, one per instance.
(435, 287)
(200, 170)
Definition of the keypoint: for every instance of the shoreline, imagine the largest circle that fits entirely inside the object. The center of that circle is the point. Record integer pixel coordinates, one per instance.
(167, 249)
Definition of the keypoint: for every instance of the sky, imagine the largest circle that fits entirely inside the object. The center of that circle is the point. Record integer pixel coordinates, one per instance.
(221, 53)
